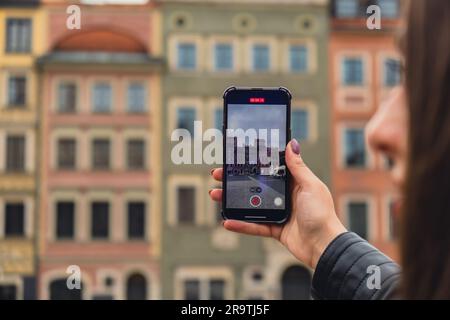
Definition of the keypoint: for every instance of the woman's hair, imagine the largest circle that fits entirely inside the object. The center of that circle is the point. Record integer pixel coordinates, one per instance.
(425, 239)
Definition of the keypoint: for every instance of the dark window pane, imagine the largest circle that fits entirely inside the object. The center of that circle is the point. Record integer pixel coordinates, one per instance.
(355, 148)
(67, 97)
(136, 154)
(347, 8)
(187, 56)
(357, 214)
(185, 119)
(224, 56)
(192, 289)
(136, 287)
(392, 73)
(217, 289)
(296, 284)
(100, 220)
(59, 291)
(298, 55)
(66, 153)
(136, 220)
(186, 204)
(102, 97)
(65, 220)
(8, 292)
(353, 72)
(261, 57)
(101, 154)
(300, 124)
(14, 220)
(17, 88)
(18, 35)
(136, 97)
(15, 153)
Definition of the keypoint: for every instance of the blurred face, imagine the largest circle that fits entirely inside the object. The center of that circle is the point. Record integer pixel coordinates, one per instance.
(387, 133)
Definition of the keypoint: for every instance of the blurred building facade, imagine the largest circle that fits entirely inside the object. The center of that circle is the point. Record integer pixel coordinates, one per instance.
(210, 45)
(364, 67)
(21, 38)
(100, 168)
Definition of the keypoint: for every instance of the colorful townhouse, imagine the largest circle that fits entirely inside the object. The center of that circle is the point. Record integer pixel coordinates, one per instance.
(21, 41)
(100, 165)
(210, 45)
(364, 67)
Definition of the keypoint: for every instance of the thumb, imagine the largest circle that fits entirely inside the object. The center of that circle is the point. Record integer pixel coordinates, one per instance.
(297, 167)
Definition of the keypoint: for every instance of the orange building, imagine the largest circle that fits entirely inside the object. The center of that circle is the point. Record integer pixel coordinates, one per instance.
(100, 175)
(364, 67)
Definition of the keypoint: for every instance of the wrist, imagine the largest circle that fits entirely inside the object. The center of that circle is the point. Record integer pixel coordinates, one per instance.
(330, 232)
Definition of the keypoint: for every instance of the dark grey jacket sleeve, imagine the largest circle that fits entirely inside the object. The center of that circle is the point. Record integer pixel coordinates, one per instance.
(348, 269)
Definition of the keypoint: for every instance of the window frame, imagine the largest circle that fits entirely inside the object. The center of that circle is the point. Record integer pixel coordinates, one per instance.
(29, 46)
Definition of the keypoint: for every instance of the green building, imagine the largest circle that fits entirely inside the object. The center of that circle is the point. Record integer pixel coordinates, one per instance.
(210, 45)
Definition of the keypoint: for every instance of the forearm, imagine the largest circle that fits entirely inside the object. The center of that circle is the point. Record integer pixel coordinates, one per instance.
(348, 268)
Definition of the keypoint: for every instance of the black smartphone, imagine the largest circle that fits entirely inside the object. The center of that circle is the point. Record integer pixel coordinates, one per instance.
(256, 131)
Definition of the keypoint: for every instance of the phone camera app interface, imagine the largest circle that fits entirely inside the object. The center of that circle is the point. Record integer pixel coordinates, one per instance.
(255, 156)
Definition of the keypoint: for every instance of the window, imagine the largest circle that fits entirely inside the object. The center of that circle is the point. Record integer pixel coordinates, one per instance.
(347, 8)
(204, 289)
(358, 218)
(296, 283)
(17, 86)
(136, 287)
(187, 56)
(185, 118)
(15, 153)
(298, 58)
(8, 292)
(392, 74)
(352, 72)
(18, 35)
(101, 154)
(102, 97)
(65, 220)
(389, 8)
(59, 291)
(14, 220)
(136, 154)
(216, 289)
(261, 57)
(136, 98)
(223, 57)
(192, 289)
(300, 124)
(136, 220)
(100, 220)
(393, 222)
(218, 118)
(67, 97)
(355, 149)
(66, 153)
(186, 204)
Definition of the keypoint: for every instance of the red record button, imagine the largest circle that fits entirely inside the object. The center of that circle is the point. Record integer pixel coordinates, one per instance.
(255, 201)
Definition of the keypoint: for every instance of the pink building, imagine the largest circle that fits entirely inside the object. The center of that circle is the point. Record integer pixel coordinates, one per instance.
(100, 181)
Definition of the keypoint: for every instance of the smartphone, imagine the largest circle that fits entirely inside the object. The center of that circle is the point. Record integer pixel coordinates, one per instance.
(256, 130)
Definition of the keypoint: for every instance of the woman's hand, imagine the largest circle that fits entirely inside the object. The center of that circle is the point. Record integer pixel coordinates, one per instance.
(313, 223)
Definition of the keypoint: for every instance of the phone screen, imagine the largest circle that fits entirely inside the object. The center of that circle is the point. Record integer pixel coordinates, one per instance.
(255, 156)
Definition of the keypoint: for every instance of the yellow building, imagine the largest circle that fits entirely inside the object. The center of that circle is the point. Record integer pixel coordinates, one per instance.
(21, 41)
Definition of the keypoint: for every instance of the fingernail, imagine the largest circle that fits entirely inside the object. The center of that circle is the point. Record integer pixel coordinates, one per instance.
(212, 171)
(295, 146)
